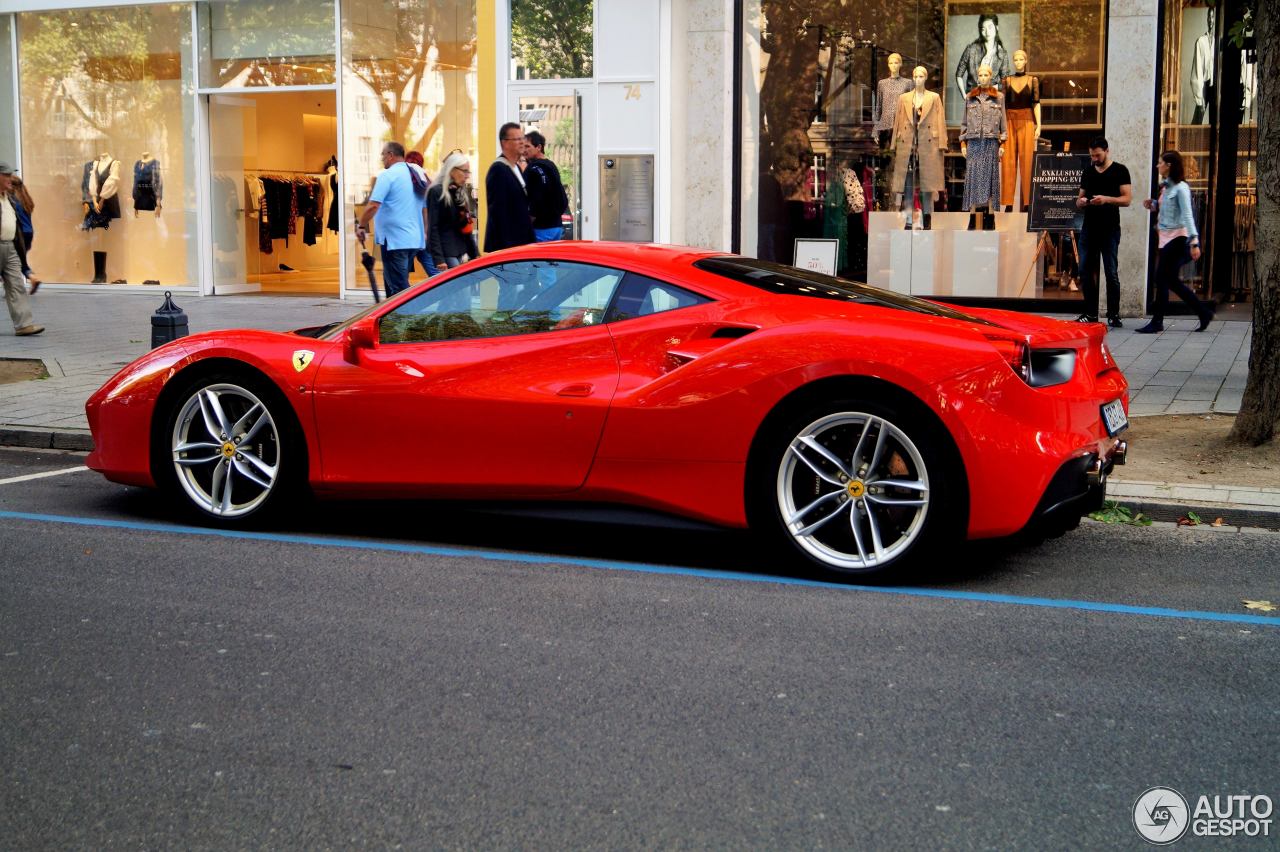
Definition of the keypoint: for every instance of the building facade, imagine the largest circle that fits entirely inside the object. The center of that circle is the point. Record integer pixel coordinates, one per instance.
(226, 146)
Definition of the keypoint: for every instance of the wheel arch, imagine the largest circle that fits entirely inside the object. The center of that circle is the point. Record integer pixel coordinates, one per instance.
(183, 379)
(866, 387)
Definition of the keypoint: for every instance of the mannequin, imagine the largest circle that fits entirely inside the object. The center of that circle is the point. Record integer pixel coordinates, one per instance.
(982, 136)
(919, 142)
(1202, 72)
(1022, 115)
(148, 184)
(104, 205)
(331, 169)
(888, 91)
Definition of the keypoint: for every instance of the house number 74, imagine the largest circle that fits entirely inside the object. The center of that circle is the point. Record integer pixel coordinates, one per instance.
(633, 93)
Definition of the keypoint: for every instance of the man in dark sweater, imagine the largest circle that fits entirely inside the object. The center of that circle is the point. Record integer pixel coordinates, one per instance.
(1105, 187)
(547, 198)
(506, 202)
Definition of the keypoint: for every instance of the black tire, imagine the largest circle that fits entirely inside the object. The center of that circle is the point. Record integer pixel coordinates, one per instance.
(912, 502)
(229, 428)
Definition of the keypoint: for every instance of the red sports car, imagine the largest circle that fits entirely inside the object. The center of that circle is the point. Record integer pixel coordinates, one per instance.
(852, 427)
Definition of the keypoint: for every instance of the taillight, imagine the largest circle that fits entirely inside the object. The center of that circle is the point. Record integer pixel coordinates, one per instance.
(1016, 354)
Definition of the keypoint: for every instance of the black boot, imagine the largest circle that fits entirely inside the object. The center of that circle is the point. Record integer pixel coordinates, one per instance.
(988, 220)
(973, 221)
(99, 267)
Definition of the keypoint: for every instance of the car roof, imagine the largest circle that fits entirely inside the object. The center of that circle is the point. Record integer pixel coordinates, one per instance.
(646, 254)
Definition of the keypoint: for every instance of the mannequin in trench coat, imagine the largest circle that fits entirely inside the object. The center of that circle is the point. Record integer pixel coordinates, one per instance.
(932, 143)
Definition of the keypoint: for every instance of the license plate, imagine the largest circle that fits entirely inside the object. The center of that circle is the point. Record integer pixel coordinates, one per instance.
(1113, 417)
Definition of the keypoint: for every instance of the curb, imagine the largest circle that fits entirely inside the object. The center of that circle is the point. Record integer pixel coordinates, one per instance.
(46, 439)
(1256, 517)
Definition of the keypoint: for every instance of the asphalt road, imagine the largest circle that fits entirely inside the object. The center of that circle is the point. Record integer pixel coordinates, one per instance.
(402, 675)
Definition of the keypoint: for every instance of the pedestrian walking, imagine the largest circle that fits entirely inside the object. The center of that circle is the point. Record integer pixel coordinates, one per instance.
(414, 158)
(1105, 187)
(13, 258)
(1177, 238)
(507, 201)
(451, 227)
(547, 198)
(25, 205)
(397, 207)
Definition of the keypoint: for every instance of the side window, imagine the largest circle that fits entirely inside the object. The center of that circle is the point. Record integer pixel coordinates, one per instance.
(641, 296)
(505, 299)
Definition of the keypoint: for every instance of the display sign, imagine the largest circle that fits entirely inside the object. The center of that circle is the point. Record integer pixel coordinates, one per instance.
(817, 255)
(1055, 186)
(626, 197)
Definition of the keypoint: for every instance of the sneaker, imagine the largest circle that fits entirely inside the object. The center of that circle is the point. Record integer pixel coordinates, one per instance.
(1114, 322)
(29, 330)
(1086, 318)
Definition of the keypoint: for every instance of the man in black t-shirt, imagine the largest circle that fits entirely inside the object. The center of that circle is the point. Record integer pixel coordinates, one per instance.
(1105, 187)
(547, 198)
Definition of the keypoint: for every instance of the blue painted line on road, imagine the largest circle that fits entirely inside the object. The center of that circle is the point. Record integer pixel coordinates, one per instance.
(647, 568)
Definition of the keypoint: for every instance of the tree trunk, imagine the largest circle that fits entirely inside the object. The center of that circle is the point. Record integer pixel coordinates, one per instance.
(1260, 408)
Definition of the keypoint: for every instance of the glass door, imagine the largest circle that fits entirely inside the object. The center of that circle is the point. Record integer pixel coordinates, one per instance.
(232, 264)
(272, 194)
(565, 116)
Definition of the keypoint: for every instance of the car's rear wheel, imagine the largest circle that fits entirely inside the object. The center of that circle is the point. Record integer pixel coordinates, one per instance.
(230, 449)
(857, 488)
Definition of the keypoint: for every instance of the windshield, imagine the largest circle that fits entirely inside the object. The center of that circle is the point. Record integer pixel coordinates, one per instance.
(793, 281)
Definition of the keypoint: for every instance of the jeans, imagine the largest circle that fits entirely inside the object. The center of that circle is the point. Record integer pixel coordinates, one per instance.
(546, 235)
(1095, 242)
(1172, 258)
(395, 269)
(423, 256)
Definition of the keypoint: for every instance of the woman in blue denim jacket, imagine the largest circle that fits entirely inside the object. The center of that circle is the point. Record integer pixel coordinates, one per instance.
(1176, 227)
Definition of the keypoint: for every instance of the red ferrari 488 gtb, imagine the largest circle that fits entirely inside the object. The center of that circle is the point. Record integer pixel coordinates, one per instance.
(854, 428)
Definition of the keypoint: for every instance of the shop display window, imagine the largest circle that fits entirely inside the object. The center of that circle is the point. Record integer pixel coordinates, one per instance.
(409, 76)
(264, 43)
(1200, 108)
(107, 152)
(822, 83)
(552, 39)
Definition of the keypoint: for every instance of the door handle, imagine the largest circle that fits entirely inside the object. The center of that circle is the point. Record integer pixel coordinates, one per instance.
(580, 389)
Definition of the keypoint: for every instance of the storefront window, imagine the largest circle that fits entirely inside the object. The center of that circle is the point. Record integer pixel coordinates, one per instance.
(409, 76)
(823, 82)
(250, 43)
(1203, 108)
(107, 155)
(551, 39)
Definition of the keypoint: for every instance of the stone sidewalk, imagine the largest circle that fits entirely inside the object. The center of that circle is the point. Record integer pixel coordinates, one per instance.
(91, 335)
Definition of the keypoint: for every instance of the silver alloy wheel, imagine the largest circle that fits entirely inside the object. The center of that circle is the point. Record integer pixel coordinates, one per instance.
(853, 491)
(226, 450)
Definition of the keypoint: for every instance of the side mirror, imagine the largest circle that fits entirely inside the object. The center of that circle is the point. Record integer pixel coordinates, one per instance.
(362, 335)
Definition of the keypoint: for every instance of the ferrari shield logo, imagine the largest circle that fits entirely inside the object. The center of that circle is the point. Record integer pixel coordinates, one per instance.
(302, 358)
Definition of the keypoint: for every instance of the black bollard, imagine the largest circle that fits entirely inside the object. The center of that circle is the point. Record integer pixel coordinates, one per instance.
(168, 323)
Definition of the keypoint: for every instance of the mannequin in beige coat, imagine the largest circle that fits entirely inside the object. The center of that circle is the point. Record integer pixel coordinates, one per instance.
(923, 109)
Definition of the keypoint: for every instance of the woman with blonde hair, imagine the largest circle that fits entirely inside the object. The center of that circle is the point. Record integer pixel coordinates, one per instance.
(451, 229)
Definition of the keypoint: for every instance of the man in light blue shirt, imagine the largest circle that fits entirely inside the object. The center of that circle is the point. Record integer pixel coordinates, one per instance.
(397, 207)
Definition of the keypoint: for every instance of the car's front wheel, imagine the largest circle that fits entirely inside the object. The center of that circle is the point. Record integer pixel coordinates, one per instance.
(229, 448)
(857, 488)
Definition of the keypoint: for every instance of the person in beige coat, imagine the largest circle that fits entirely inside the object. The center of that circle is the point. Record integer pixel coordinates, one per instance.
(919, 142)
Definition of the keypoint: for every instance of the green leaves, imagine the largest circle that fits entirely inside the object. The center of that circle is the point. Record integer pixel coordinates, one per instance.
(1113, 513)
